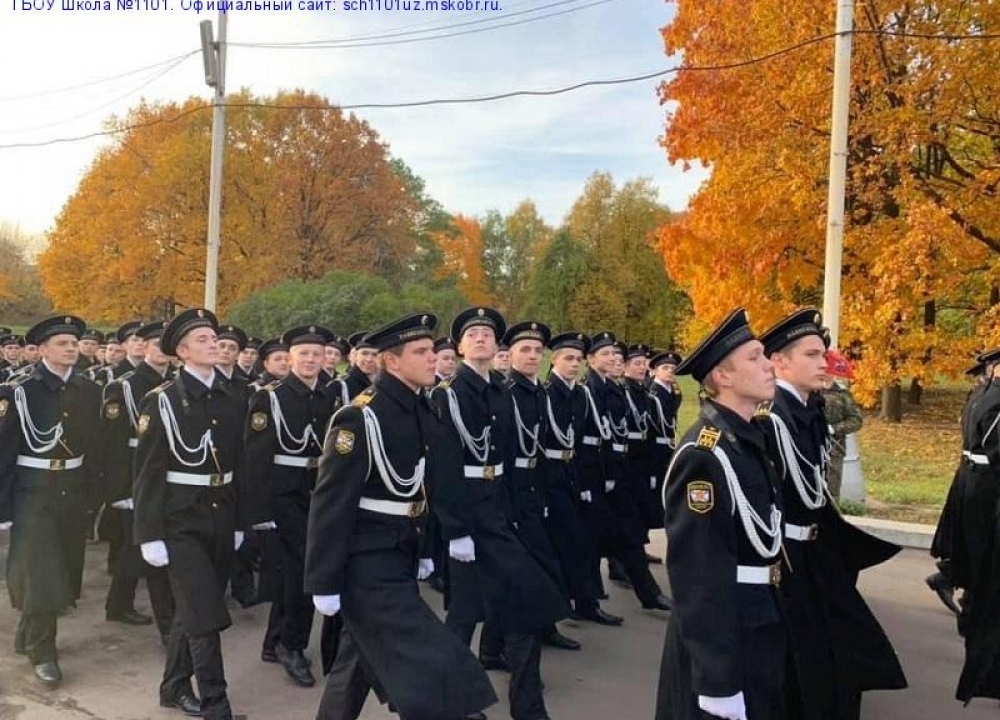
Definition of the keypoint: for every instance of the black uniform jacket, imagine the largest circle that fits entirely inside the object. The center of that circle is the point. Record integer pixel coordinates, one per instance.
(350, 386)
(723, 636)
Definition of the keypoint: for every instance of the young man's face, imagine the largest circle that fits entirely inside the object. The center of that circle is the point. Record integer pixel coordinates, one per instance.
(501, 361)
(228, 351)
(134, 348)
(603, 359)
(30, 353)
(478, 344)
(307, 360)
(665, 373)
(802, 364)
(446, 362)
(415, 364)
(88, 347)
(114, 354)
(367, 360)
(331, 358)
(277, 363)
(747, 372)
(200, 348)
(635, 368)
(526, 357)
(11, 353)
(248, 357)
(60, 351)
(154, 353)
(567, 362)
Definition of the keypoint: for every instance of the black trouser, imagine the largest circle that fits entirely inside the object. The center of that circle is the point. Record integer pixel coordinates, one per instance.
(292, 514)
(347, 685)
(121, 597)
(201, 656)
(524, 654)
(241, 578)
(633, 560)
(36, 633)
(275, 618)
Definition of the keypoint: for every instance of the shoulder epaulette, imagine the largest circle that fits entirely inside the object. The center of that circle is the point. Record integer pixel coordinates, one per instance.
(708, 437)
(764, 409)
(444, 384)
(364, 398)
(162, 388)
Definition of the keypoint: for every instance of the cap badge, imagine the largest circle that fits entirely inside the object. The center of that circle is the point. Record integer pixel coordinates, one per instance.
(201, 313)
(481, 312)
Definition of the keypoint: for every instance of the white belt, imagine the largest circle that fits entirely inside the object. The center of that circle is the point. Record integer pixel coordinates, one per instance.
(802, 533)
(133, 442)
(591, 440)
(525, 463)
(202, 480)
(47, 464)
(484, 472)
(618, 447)
(636, 436)
(393, 507)
(559, 454)
(976, 458)
(662, 441)
(758, 575)
(298, 461)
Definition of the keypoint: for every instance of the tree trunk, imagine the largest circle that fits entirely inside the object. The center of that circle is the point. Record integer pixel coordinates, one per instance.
(916, 392)
(892, 403)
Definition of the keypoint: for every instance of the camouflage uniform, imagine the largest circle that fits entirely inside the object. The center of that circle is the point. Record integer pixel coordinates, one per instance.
(844, 416)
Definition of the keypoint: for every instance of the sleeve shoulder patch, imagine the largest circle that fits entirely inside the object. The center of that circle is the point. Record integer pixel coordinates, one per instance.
(708, 438)
(700, 496)
(4, 406)
(343, 443)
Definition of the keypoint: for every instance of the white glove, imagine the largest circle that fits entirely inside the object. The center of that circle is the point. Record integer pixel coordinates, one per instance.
(237, 539)
(731, 708)
(462, 549)
(586, 496)
(327, 604)
(609, 485)
(269, 525)
(6, 525)
(652, 482)
(425, 568)
(155, 553)
(125, 504)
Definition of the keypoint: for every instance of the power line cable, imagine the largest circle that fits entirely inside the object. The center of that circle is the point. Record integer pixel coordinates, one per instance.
(507, 95)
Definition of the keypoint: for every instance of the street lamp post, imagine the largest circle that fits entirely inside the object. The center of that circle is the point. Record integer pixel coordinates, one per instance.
(214, 55)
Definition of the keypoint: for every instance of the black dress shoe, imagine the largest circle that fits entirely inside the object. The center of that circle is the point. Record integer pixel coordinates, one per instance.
(944, 591)
(267, 654)
(296, 665)
(660, 602)
(49, 673)
(129, 617)
(495, 662)
(475, 716)
(602, 618)
(557, 640)
(247, 599)
(183, 701)
(653, 560)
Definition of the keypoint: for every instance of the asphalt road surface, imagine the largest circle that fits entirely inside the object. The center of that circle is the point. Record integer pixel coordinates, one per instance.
(112, 671)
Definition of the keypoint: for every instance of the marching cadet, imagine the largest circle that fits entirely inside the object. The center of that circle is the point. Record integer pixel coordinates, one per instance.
(246, 363)
(26, 359)
(274, 360)
(639, 457)
(838, 647)
(724, 652)
(364, 366)
(601, 465)
(232, 341)
(119, 422)
(190, 508)
(491, 577)
(283, 446)
(378, 465)
(446, 359)
(48, 443)
(526, 342)
(132, 346)
(10, 350)
(664, 403)
(566, 410)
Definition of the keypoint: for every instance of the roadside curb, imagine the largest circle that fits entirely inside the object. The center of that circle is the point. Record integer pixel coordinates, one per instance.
(909, 535)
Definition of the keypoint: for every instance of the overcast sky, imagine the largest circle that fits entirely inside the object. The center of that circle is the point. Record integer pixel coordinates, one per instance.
(474, 157)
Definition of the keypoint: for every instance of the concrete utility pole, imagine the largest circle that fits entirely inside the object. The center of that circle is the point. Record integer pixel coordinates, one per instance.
(852, 484)
(214, 56)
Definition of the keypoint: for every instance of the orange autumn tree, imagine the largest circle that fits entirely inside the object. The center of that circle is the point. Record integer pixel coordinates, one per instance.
(462, 258)
(922, 246)
(306, 189)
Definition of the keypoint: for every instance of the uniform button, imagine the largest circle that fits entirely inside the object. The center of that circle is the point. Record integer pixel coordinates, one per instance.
(493, 447)
(493, 417)
(215, 505)
(65, 414)
(427, 448)
(214, 421)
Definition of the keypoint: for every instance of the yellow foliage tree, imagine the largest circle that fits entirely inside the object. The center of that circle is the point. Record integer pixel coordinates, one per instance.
(462, 258)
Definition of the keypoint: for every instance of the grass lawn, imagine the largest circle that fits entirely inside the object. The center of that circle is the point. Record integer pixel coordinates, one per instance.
(907, 467)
